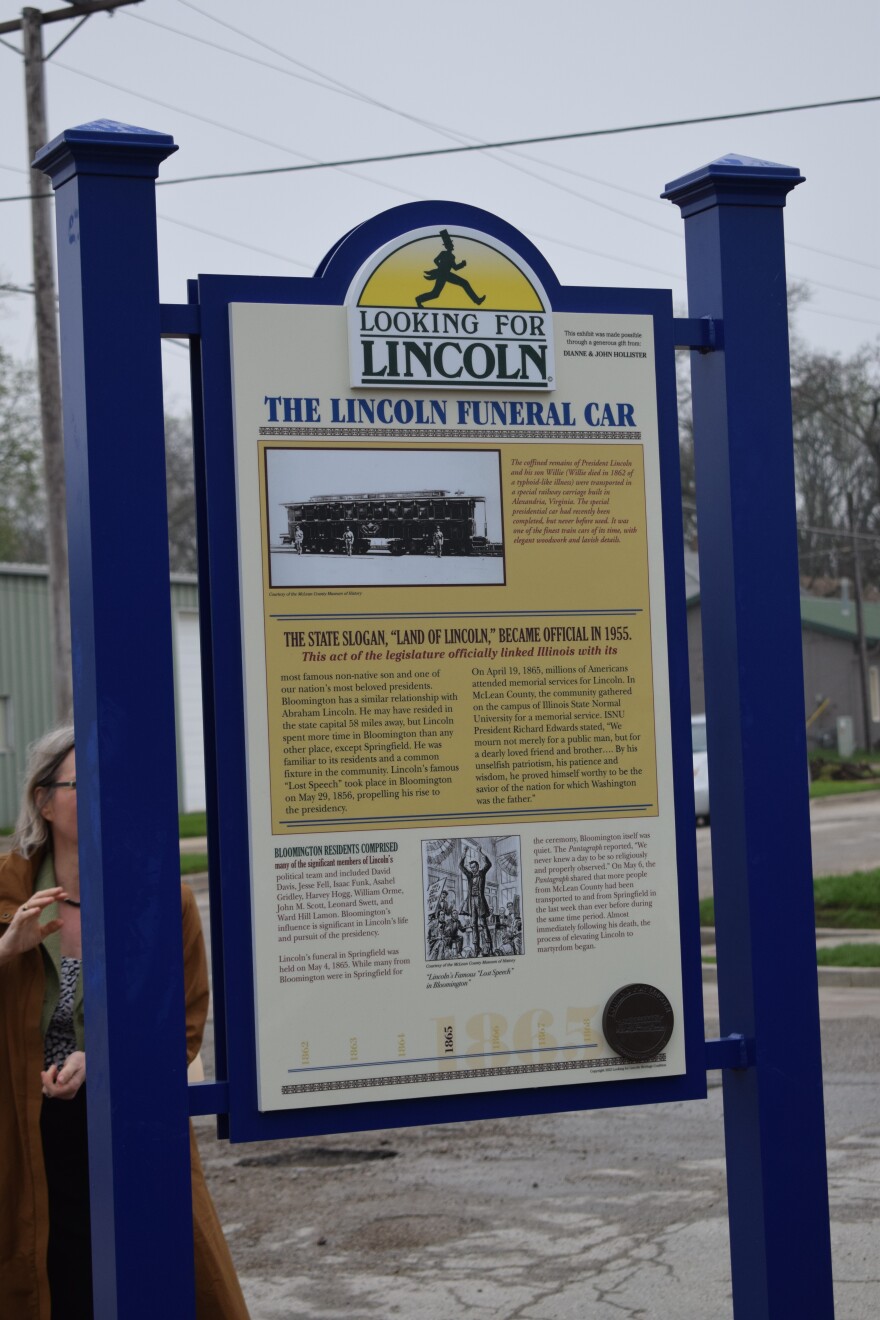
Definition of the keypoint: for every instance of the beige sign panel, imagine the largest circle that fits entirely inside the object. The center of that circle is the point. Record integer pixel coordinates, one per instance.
(459, 775)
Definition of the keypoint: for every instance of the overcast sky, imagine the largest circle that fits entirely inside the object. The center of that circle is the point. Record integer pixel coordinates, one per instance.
(295, 82)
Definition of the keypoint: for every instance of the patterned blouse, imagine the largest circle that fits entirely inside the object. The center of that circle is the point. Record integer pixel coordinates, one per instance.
(60, 1040)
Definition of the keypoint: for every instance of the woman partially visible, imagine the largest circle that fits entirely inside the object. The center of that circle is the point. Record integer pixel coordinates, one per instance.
(45, 1244)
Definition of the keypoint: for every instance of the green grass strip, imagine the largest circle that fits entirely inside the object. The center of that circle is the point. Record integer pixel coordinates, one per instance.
(822, 788)
(859, 889)
(848, 918)
(849, 955)
(843, 955)
(193, 863)
(841, 901)
(193, 825)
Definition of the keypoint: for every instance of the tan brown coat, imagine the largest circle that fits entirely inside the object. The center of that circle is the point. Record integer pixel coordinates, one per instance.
(24, 1209)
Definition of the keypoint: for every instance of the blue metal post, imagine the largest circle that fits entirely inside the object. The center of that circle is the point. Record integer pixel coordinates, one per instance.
(767, 985)
(104, 174)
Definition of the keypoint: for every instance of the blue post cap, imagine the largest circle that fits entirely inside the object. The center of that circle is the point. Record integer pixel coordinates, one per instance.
(104, 147)
(733, 180)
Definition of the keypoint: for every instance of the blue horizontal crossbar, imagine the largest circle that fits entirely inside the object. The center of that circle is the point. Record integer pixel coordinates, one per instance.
(179, 320)
(733, 1051)
(700, 332)
(703, 333)
(208, 1098)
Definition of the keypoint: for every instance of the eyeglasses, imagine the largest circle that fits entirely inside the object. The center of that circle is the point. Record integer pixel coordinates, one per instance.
(60, 783)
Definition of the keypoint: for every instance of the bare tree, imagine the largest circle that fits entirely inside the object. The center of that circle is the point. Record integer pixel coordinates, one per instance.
(837, 455)
(180, 483)
(836, 415)
(23, 509)
(686, 449)
(22, 498)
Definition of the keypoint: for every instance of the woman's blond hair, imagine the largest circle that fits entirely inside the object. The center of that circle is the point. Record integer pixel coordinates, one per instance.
(44, 759)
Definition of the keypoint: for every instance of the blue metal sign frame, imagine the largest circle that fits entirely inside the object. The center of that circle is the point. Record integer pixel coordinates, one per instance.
(212, 296)
(111, 320)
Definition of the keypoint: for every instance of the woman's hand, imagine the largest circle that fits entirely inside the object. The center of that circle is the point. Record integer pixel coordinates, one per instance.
(24, 931)
(64, 1082)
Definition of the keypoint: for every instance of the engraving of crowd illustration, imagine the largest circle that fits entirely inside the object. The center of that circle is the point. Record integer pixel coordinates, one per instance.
(456, 683)
(467, 914)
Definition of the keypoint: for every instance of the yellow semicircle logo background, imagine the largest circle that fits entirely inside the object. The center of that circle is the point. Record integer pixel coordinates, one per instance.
(400, 278)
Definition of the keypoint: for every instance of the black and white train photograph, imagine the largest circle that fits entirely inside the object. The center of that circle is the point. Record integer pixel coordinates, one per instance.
(384, 517)
(472, 890)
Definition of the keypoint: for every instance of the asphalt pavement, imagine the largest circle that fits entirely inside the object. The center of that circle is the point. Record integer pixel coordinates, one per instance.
(844, 831)
(604, 1215)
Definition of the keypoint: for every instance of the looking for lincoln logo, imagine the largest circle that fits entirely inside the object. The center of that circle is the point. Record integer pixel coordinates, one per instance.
(449, 307)
(446, 266)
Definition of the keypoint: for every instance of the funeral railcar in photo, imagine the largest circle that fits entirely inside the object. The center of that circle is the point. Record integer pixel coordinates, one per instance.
(399, 522)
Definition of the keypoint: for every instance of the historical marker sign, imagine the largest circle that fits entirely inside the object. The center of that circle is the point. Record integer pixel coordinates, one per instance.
(478, 878)
(454, 637)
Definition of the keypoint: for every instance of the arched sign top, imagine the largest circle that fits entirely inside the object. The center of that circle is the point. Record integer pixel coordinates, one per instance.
(482, 308)
(399, 245)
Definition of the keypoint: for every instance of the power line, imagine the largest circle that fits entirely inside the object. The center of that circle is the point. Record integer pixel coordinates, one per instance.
(237, 242)
(648, 197)
(226, 128)
(547, 238)
(328, 83)
(175, 344)
(839, 316)
(845, 535)
(23, 197)
(332, 84)
(607, 256)
(519, 142)
(837, 256)
(835, 288)
(312, 164)
(321, 80)
(689, 503)
(343, 88)
(191, 114)
(346, 90)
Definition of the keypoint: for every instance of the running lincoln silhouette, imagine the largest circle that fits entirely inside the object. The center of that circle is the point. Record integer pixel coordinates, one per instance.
(444, 274)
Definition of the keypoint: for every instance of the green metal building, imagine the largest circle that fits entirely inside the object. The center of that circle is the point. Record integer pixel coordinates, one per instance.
(26, 681)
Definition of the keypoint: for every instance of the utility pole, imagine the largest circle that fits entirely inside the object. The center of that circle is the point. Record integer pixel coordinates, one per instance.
(860, 623)
(48, 361)
(48, 368)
